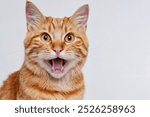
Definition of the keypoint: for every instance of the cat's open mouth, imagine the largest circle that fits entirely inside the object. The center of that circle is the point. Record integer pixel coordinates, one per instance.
(57, 65)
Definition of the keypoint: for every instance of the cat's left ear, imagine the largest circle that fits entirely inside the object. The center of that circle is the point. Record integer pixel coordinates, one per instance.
(81, 16)
(33, 16)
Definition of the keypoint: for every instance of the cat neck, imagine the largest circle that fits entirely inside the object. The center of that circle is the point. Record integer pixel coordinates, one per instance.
(31, 74)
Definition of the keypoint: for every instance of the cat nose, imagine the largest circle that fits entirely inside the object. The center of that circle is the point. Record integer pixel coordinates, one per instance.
(57, 52)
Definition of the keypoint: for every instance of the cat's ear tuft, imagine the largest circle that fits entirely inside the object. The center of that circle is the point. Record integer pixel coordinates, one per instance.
(33, 15)
(81, 15)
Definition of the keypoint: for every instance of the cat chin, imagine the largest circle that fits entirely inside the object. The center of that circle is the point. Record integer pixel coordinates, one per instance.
(57, 75)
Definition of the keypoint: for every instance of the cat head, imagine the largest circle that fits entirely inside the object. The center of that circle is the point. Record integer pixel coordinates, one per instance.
(56, 45)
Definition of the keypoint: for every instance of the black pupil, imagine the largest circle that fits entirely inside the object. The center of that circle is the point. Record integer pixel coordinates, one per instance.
(69, 37)
(45, 37)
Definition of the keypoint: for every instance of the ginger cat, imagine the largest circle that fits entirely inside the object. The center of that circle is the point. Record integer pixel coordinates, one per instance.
(55, 52)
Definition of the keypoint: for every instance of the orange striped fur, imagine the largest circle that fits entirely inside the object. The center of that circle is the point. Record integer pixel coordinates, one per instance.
(55, 52)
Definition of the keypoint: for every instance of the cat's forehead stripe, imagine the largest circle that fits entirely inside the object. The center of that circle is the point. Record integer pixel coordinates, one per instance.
(52, 24)
(57, 26)
(59, 23)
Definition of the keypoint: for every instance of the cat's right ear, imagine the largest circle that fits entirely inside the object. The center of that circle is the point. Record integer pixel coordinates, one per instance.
(81, 16)
(33, 16)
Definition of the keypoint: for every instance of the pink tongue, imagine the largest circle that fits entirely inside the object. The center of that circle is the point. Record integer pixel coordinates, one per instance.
(57, 64)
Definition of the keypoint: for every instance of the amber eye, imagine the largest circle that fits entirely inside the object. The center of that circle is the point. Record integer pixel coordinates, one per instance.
(69, 38)
(45, 37)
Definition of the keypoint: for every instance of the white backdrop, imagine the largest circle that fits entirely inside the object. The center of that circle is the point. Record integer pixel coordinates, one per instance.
(118, 65)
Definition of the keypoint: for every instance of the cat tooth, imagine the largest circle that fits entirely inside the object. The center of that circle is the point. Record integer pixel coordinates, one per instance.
(53, 69)
(62, 69)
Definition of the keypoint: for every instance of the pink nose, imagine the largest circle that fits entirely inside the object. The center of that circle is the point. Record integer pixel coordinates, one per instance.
(57, 52)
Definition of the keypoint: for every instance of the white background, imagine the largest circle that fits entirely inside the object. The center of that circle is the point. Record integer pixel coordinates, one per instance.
(118, 65)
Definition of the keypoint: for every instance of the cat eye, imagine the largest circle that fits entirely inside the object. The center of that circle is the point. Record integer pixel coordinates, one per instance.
(69, 37)
(45, 37)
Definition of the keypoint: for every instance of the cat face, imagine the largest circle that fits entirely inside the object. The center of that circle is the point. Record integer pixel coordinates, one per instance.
(57, 45)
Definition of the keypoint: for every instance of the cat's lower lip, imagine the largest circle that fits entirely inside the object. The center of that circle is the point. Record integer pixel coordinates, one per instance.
(57, 65)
